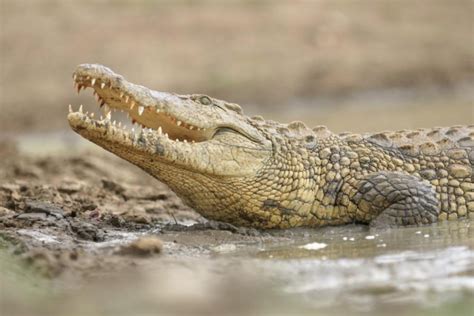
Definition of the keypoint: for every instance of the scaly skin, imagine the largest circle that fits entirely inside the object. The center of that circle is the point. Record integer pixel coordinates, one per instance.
(263, 174)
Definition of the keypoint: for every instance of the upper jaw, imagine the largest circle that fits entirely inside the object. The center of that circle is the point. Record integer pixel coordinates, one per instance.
(180, 117)
(150, 109)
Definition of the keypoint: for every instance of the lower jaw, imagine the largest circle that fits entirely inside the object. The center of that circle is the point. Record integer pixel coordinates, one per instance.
(153, 155)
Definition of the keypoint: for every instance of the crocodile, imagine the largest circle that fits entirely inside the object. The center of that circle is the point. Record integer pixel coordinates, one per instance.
(256, 173)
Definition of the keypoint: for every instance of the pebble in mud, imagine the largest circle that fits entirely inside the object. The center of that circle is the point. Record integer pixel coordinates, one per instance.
(142, 247)
(137, 215)
(70, 187)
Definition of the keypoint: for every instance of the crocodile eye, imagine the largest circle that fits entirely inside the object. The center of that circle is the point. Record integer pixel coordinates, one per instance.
(204, 100)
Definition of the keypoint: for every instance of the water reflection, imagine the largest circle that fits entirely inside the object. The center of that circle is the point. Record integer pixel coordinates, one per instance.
(370, 271)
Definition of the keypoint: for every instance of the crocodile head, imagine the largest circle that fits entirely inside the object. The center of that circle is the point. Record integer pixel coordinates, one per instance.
(201, 147)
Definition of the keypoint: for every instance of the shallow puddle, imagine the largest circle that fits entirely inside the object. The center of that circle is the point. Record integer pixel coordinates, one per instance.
(409, 268)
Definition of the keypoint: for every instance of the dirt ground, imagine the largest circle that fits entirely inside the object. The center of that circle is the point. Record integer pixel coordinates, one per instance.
(76, 201)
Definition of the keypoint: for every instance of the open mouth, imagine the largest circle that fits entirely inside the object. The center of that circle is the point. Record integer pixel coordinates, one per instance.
(143, 113)
(160, 131)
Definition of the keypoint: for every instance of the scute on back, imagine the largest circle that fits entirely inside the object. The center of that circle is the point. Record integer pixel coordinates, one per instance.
(427, 141)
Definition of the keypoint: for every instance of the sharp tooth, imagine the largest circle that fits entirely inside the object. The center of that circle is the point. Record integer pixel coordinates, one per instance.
(101, 118)
(93, 82)
(191, 127)
(102, 85)
(157, 110)
(192, 141)
(160, 131)
(178, 123)
(121, 95)
(113, 123)
(74, 76)
(133, 130)
(108, 115)
(132, 105)
(140, 110)
(177, 139)
(78, 88)
(184, 140)
(80, 108)
(92, 115)
(126, 99)
(106, 109)
(166, 135)
(70, 108)
(119, 124)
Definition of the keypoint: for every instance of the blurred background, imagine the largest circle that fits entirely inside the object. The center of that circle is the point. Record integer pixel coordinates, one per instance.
(351, 65)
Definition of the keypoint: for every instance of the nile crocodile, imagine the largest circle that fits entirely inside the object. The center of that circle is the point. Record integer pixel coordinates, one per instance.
(252, 172)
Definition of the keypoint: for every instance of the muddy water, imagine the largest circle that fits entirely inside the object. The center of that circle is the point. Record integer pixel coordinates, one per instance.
(413, 268)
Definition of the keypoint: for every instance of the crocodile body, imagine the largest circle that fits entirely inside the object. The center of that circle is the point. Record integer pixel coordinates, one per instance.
(251, 172)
